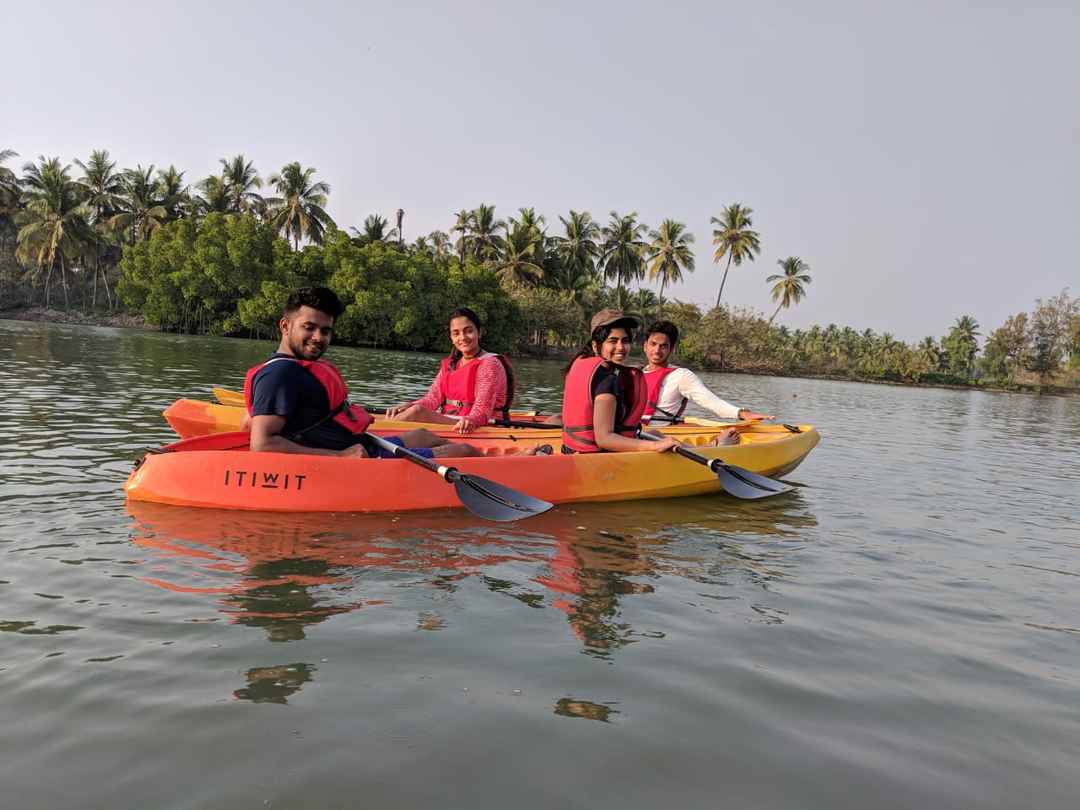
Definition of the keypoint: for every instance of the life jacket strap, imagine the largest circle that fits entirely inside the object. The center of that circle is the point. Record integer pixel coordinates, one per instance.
(574, 430)
(667, 416)
(342, 408)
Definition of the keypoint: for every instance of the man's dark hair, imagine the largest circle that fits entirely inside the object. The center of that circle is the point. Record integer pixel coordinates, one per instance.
(320, 298)
(664, 328)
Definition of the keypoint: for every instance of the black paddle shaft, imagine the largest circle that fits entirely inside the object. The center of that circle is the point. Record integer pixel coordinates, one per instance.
(487, 499)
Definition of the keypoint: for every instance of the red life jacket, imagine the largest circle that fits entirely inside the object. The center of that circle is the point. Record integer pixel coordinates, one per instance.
(577, 409)
(654, 381)
(351, 417)
(459, 387)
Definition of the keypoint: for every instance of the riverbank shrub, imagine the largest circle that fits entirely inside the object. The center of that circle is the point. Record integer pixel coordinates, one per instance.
(229, 275)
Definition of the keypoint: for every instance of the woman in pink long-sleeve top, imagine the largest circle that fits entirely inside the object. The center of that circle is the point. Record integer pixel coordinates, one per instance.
(472, 386)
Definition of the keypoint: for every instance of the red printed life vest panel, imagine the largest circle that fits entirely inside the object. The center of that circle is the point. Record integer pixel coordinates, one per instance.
(654, 381)
(459, 387)
(577, 410)
(351, 417)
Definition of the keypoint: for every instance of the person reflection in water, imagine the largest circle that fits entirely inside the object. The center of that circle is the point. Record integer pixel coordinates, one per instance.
(280, 604)
(274, 684)
(590, 575)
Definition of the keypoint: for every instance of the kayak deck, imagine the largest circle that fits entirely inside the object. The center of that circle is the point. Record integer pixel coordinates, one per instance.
(220, 471)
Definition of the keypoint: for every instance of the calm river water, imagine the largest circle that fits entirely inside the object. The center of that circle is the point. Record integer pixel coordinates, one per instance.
(902, 632)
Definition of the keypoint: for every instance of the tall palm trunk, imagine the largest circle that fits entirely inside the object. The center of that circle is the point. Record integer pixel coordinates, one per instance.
(63, 282)
(663, 281)
(48, 278)
(105, 281)
(724, 279)
(776, 313)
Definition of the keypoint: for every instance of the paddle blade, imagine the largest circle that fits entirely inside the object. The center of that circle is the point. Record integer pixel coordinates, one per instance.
(492, 501)
(742, 483)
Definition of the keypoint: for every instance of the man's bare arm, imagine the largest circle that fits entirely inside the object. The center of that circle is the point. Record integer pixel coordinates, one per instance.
(266, 438)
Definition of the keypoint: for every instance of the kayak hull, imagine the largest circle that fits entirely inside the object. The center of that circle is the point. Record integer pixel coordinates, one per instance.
(221, 472)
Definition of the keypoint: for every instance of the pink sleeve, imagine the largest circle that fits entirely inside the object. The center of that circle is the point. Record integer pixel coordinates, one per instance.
(490, 390)
(433, 399)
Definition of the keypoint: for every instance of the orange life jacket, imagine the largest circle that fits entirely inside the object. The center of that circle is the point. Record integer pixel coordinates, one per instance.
(654, 381)
(459, 387)
(577, 409)
(351, 417)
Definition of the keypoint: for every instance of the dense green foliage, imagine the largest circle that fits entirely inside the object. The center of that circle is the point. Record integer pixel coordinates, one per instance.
(218, 257)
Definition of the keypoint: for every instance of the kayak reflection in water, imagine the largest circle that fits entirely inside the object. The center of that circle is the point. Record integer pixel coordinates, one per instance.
(298, 403)
(472, 386)
(670, 388)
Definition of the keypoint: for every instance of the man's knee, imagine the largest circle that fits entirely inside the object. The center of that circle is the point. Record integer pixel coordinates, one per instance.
(457, 450)
(419, 437)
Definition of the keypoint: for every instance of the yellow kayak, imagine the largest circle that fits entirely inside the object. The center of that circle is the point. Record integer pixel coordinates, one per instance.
(192, 417)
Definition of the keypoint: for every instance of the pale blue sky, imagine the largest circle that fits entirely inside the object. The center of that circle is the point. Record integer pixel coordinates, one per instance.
(923, 159)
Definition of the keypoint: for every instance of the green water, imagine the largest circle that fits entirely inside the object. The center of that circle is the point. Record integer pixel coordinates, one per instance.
(903, 631)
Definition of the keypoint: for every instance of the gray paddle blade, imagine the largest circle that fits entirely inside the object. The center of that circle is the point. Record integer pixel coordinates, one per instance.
(493, 501)
(742, 483)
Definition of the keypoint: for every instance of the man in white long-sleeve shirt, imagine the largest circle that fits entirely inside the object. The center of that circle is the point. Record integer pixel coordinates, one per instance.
(670, 388)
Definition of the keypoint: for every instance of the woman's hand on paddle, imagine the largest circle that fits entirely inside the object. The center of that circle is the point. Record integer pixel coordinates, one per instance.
(397, 410)
(466, 425)
(665, 444)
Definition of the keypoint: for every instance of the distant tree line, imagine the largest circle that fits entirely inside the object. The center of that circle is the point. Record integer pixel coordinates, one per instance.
(218, 257)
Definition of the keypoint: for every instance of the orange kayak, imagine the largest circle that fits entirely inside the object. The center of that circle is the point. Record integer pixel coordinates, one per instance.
(220, 471)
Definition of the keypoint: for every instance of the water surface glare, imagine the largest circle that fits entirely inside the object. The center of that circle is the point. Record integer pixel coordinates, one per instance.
(903, 631)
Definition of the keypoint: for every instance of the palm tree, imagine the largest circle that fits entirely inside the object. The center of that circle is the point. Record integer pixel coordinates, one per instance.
(734, 239)
(299, 211)
(929, 351)
(577, 281)
(529, 220)
(962, 344)
(463, 225)
(422, 247)
(670, 254)
(578, 250)
(623, 250)
(7, 176)
(645, 302)
(53, 223)
(440, 244)
(174, 194)
(240, 178)
(400, 230)
(374, 230)
(9, 196)
(522, 256)
(141, 207)
(790, 286)
(214, 197)
(103, 185)
(485, 244)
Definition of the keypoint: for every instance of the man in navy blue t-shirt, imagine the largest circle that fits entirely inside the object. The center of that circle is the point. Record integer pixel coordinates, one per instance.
(290, 408)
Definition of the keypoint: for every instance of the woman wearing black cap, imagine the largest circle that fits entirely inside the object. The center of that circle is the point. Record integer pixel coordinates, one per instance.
(603, 400)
